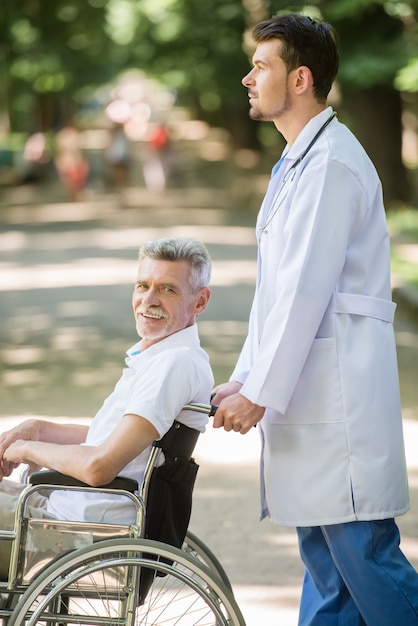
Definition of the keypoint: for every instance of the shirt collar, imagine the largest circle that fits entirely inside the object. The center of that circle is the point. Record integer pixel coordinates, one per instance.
(187, 337)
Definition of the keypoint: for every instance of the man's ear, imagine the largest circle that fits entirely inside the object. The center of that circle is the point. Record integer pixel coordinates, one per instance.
(303, 80)
(203, 297)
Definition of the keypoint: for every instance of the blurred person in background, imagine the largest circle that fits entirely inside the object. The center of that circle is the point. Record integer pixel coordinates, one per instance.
(157, 164)
(71, 165)
(36, 162)
(118, 158)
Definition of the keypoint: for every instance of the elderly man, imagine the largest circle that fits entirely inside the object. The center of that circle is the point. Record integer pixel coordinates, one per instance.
(164, 371)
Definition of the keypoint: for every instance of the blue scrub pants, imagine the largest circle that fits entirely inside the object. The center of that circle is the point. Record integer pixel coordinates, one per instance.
(356, 575)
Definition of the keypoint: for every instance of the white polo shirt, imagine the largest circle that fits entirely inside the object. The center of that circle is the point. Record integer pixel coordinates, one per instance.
(155, 384)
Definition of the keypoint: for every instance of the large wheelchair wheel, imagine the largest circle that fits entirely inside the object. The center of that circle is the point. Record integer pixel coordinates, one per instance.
(101, 586)
(199, 550)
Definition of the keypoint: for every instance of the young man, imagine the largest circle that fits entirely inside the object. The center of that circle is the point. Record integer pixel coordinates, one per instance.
(318, 370)
(164, 371)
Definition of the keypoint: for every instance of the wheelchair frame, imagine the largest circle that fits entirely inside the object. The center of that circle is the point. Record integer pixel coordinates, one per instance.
(99, 584)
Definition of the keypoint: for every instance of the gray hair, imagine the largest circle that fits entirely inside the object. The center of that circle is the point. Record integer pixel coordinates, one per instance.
(181, 249)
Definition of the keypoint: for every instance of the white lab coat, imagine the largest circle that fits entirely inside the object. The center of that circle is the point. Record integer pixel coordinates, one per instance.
(320, 352)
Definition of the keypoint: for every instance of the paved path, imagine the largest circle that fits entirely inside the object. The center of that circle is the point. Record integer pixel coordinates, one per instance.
(65, 280)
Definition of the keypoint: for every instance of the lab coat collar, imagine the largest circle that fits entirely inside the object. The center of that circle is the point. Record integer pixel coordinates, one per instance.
(306, 135)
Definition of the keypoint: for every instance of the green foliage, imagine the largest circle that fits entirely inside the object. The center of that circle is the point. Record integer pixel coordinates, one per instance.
(374, 36)
(404, 269)
(372, 41)
(365, 66)
(407, 77)
(197, 47)
(347, 9)
(403, 222)
(63, 48)
(50, 49)
(403, 227)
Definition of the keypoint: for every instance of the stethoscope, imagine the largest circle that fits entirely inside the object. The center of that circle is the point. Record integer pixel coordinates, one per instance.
(290, 175)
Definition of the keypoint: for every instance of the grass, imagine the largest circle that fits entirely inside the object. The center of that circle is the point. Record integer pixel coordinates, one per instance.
(403, 228)
(404, 222)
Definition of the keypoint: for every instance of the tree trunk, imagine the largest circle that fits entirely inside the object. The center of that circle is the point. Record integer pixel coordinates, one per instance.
(375, 118)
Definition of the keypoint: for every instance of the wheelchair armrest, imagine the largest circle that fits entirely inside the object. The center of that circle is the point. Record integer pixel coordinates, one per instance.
(50, 477)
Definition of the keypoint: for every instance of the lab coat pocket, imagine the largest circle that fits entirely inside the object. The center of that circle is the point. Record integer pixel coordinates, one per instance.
(317, 397)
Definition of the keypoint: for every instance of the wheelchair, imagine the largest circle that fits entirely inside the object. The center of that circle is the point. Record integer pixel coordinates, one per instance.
(65, 573)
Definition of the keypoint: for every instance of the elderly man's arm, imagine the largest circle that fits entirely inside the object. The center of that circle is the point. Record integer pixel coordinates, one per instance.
(38, 430)
(95, 465)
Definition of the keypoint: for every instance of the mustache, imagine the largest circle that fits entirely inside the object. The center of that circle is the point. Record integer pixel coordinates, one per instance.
(155, 311)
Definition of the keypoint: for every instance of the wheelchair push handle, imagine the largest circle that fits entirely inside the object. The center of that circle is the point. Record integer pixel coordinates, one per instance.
(209, 409)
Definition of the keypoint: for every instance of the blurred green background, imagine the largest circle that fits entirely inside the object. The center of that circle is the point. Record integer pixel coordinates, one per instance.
(136, 66)
(65, 61)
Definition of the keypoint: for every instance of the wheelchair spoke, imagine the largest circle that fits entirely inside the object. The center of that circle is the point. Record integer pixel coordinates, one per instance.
(128, 583)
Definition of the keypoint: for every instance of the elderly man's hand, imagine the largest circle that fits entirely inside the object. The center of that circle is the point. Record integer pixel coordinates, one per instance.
(28, 430)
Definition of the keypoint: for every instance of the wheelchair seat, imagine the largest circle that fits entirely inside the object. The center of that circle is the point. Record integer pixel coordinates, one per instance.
(65, 572)
(163, 502)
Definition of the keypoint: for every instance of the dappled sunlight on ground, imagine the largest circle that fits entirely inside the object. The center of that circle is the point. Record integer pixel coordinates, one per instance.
(104, 271)
(261, 602)
(66, 289)
(66, 276)
(79, 272)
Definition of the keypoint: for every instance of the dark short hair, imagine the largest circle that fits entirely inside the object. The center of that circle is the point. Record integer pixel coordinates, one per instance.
(305, 41)
(181, 249)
